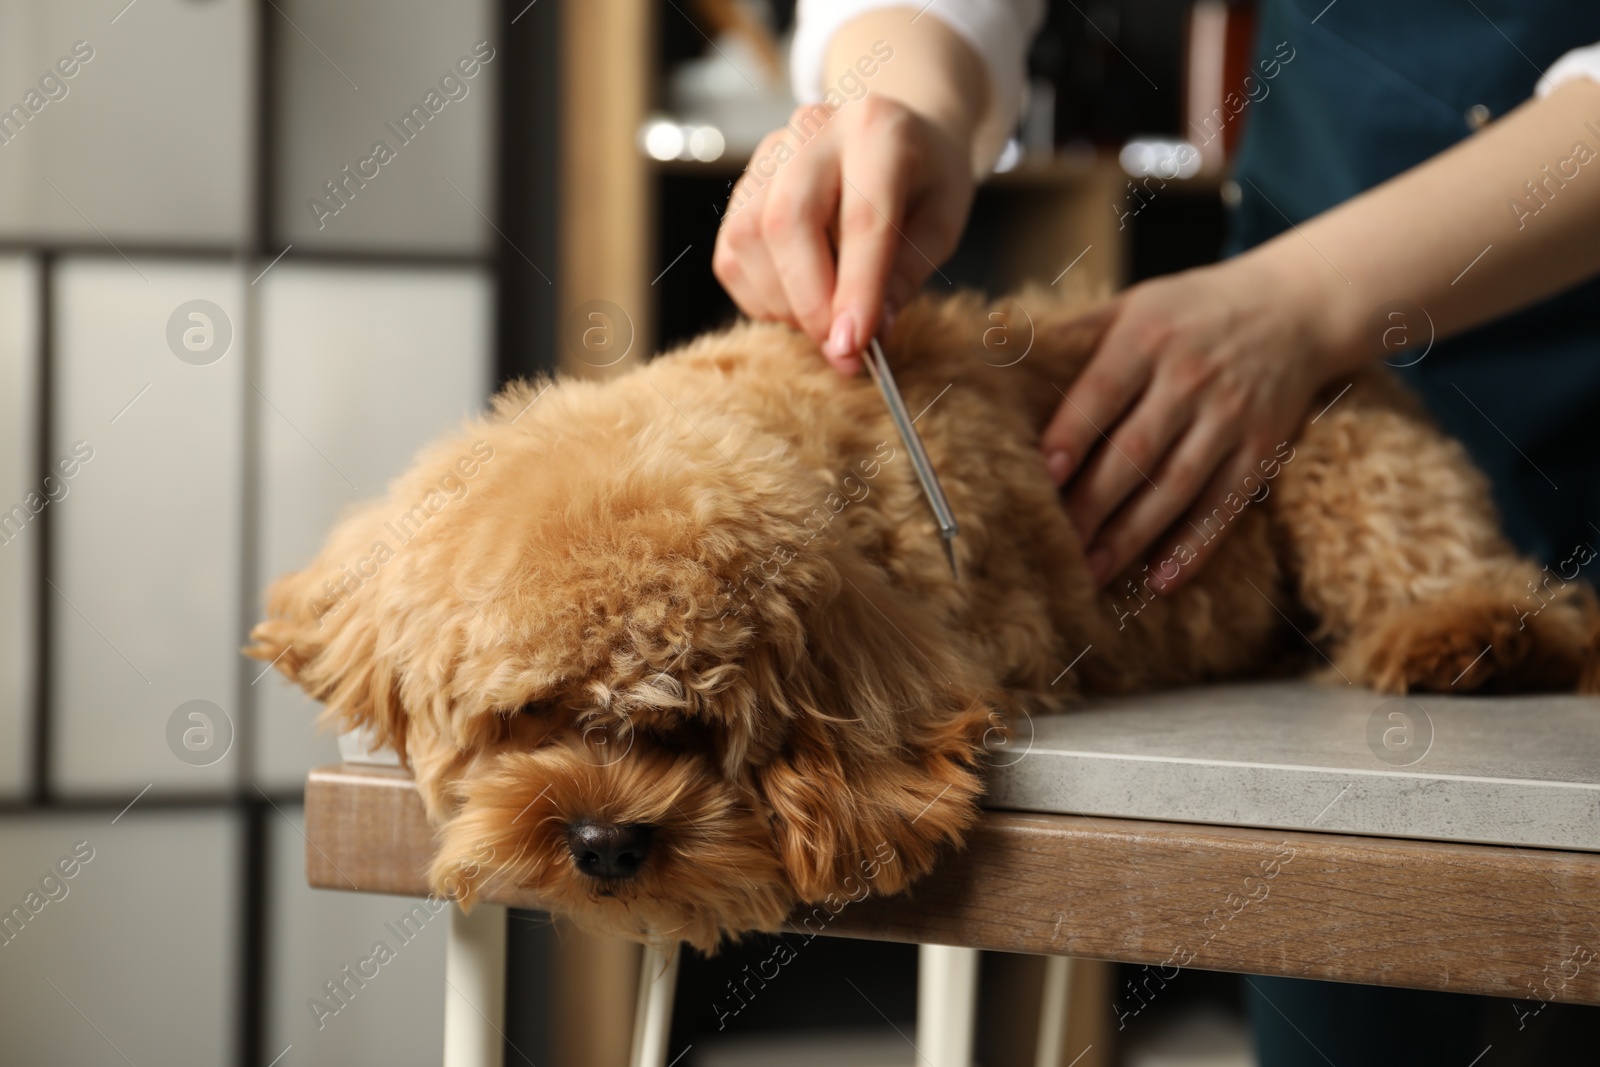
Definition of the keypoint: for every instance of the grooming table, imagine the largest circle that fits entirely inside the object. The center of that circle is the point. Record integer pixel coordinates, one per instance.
(1447, 843)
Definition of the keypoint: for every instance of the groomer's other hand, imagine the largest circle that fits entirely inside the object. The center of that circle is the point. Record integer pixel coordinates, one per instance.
(1203, 373)
(1198, 380)
(885, 181)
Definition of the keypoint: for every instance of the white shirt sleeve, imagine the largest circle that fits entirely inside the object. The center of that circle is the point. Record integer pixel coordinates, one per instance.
(1578, 63)
(998, 30)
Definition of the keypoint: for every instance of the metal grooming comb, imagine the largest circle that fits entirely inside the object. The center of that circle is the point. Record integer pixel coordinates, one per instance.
(878, 367)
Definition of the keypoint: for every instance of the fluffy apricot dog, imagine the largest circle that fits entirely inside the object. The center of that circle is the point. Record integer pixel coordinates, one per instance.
(681, 650)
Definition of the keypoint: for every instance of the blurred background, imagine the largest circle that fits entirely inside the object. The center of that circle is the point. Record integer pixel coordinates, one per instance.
(253, 254)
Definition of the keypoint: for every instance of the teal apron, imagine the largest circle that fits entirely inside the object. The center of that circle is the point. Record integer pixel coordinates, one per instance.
(1374, 89)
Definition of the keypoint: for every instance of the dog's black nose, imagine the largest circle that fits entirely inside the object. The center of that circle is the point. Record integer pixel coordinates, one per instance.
(604, 850)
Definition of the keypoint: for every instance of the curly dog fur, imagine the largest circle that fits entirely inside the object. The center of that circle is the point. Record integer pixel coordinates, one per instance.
(708, 597)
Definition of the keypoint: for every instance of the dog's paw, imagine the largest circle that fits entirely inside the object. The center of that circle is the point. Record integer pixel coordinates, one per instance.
(1451, 645)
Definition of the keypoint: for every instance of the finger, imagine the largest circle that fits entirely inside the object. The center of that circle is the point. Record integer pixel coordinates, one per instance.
(1117, 372)
(1123, 465)
(741, 263)
(905, 279)
(871, 208)
(927, 240)
(740, 259)
(1189, 469)
(904, 282)
(757, 290)
(1197, 536)
(800, 207)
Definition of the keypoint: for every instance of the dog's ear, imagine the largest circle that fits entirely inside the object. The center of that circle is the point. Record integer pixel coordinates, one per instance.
(899, 778)
(321, 631)
(362, 630)
(880, 816)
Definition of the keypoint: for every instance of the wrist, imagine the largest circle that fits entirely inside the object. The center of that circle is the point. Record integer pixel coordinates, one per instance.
(1322, 308)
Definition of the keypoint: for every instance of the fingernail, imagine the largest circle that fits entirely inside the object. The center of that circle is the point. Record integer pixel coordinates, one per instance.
(1060, 465)
(1099, 563)
(842, 338)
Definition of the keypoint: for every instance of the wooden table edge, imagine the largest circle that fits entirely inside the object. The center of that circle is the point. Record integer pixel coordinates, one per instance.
(1496, 920)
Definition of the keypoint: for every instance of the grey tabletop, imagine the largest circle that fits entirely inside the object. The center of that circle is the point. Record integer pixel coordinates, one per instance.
(1504, 770)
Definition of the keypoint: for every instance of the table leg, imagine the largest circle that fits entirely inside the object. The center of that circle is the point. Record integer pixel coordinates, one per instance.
(475, 987)
(652, 1020)
(947, 1005)
(1053, 1011)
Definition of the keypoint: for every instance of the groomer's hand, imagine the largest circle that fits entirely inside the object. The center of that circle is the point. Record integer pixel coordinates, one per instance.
(888, 185)
(1197, 381)
(828, 225)
(1202, 374)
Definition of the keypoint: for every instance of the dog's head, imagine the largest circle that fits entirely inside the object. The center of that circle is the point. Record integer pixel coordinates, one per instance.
(639, 662)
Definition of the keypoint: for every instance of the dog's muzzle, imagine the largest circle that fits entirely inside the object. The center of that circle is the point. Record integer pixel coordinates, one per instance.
(605, 850)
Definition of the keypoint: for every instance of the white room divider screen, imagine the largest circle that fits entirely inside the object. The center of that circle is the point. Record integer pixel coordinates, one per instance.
(226, 314)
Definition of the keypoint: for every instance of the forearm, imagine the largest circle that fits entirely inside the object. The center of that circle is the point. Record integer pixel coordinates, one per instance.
(934, 72)
(1463, 235)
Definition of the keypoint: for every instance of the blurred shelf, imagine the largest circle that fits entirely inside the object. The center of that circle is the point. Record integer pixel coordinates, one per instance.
(1066, 170)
